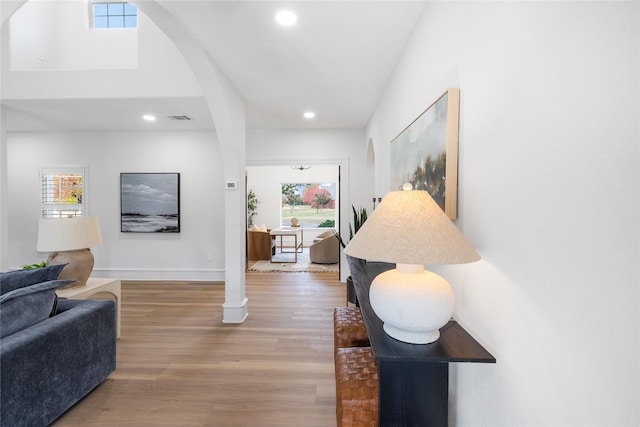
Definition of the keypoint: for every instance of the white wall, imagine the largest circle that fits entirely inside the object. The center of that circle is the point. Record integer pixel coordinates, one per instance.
(45, 35)
(127, 63)
(182, 256)
(59, 36)
(549, 195)
(4, 185)
(33, 37)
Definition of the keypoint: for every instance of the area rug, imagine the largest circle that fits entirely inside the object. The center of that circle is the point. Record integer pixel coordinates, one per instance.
(303, 265)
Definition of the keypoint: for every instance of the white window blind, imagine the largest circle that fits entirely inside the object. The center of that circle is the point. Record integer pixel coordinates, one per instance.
(62, 192)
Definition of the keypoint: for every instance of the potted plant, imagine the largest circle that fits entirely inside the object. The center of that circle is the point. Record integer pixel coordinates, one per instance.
(252, 207)
(359, 218)
(42, 264)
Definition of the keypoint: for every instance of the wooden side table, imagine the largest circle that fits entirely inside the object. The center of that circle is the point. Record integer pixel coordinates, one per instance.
(93, 287)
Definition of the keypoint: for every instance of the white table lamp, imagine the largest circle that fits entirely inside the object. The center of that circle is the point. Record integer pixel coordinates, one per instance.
(408, 228)
(68, 241)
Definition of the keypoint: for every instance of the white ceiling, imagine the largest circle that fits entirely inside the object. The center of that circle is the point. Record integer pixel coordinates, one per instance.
(335, 61)
(105, 114)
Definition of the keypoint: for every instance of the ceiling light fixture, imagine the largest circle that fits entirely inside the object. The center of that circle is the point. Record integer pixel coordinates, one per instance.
(309, 115)
(286, 18)
(301, 167)
(149, 117)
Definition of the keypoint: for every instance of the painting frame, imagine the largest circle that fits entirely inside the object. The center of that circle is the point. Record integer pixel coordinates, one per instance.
(150, 202)
(426, 148)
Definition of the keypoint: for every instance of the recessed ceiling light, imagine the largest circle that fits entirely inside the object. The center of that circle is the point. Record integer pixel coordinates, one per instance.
(309, 115)
(149, 117)
(286, 18)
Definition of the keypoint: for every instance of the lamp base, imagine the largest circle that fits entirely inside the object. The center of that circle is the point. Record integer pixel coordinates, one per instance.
(79, 266)
(413, 303)
(411, 337)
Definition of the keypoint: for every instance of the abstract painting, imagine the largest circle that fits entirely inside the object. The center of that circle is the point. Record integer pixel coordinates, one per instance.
(150, 202)
(425, 153)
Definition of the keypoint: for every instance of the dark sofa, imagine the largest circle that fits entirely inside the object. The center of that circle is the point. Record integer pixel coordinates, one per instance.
(46, 367)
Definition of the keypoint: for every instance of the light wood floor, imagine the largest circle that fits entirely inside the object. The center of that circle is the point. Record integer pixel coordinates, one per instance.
(179, 365)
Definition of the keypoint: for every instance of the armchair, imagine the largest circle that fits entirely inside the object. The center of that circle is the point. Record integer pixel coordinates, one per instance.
(325, 249)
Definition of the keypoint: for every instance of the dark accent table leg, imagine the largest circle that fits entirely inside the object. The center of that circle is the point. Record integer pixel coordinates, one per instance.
(351, 293)
(413, 394)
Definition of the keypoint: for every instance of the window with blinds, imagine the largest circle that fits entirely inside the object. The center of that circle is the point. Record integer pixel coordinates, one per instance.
(62, 192)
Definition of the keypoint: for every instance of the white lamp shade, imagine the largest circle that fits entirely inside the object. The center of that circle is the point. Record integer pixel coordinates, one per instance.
(409, 227)
(67, 234)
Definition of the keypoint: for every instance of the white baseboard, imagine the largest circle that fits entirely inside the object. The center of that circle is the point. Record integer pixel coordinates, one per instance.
(209, 275)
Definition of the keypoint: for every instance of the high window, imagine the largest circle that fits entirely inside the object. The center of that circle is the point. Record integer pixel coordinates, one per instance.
(114, 15)
(62, 192)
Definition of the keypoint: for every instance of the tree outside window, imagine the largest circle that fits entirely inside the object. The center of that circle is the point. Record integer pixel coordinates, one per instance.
(313, 204)
(62, 192)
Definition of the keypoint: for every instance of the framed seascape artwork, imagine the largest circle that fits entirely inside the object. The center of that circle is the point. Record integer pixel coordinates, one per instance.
(150, 202)
(425, 153)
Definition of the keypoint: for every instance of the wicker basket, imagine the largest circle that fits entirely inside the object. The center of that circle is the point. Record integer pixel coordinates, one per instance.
(348, 328)
(356, 387)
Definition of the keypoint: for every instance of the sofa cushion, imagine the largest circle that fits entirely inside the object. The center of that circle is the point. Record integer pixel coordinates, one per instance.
(26, 306)
(21, 278)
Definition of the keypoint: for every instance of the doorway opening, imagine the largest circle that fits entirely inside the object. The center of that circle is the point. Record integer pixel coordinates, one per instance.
(303, 200)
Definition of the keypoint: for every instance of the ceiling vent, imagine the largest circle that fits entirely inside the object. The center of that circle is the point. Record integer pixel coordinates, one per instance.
(179, 117)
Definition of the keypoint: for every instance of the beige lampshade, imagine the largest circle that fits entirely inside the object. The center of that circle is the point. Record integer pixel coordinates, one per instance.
(408, 227)
(67, 234)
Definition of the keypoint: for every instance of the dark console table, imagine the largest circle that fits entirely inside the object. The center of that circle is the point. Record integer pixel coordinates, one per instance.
(414, 378)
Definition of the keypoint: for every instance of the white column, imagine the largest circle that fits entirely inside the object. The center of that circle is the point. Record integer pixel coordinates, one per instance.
(227, 109)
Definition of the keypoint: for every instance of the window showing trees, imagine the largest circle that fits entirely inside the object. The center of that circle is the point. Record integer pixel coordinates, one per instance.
(313, 204)
(62, 192)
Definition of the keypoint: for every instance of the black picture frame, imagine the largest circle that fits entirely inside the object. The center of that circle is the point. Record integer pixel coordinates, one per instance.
(150, 202)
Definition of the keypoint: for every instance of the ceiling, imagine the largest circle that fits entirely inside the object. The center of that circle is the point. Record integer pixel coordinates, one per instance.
(335, 61)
